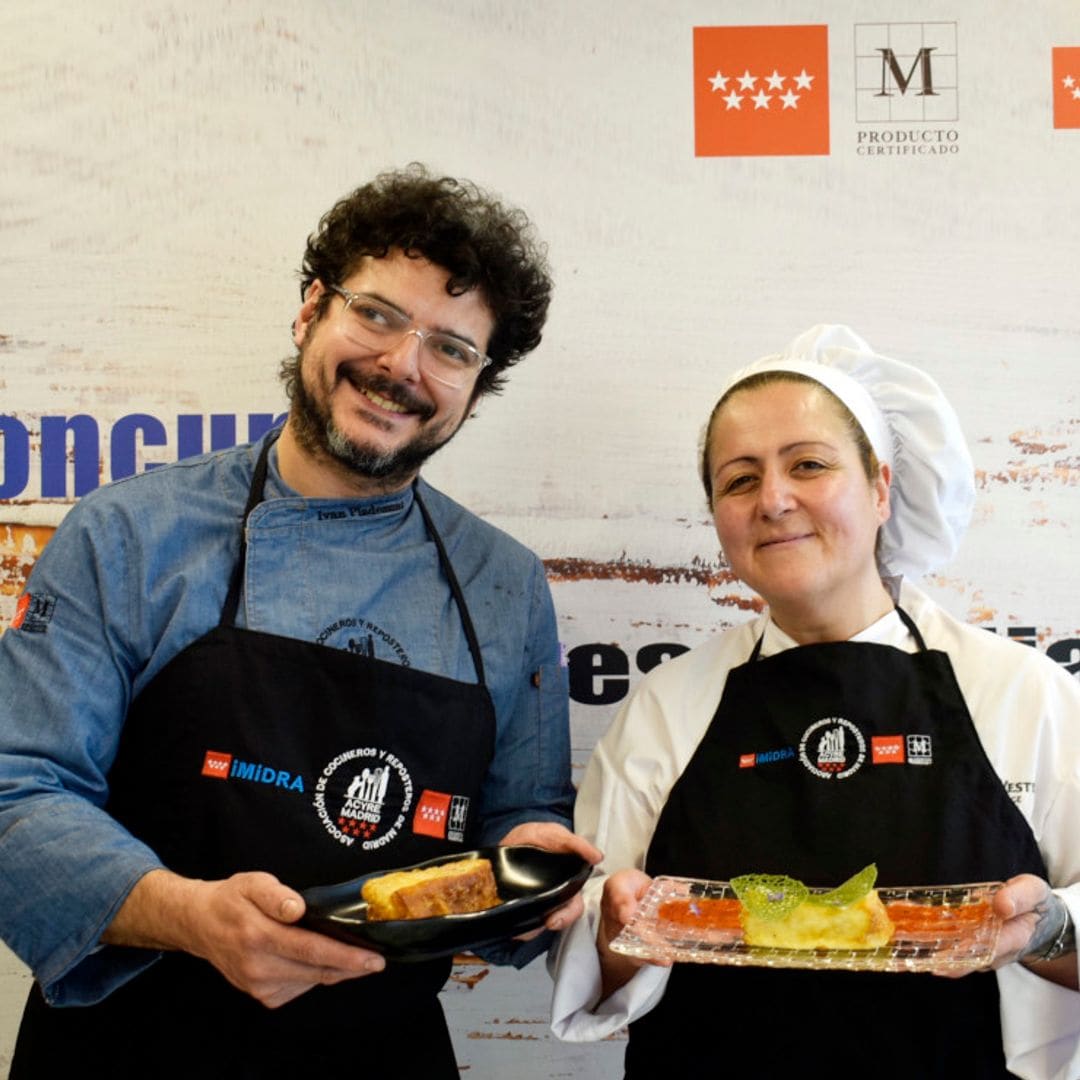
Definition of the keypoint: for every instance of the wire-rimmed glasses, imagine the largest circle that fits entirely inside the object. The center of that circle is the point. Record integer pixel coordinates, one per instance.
(374, 324)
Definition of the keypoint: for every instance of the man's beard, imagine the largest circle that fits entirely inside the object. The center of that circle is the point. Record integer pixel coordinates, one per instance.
(313, 425)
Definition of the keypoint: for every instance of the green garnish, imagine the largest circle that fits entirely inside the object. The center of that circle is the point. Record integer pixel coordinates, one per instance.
(772, 896)
(769, 896)
(851, 892)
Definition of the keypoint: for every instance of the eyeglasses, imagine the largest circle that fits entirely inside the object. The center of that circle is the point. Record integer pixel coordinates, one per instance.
(372, 324)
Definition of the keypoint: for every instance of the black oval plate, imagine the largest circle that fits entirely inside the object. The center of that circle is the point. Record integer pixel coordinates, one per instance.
(531, 883)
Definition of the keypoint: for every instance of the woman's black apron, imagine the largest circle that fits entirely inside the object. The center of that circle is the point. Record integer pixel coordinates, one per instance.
(818, 761)
(251, 751)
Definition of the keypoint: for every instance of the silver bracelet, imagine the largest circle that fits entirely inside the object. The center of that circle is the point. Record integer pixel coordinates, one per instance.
(1065, 941)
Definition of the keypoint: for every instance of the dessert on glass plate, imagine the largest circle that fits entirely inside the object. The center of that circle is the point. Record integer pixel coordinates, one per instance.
(776, 921)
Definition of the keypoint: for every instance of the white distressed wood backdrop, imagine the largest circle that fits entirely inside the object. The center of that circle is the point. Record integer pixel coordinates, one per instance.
(162, 163)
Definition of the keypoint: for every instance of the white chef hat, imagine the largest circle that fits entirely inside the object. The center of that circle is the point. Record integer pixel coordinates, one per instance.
(910, 425)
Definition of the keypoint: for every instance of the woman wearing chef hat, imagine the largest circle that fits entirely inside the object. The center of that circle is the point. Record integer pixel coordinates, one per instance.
(834, 476)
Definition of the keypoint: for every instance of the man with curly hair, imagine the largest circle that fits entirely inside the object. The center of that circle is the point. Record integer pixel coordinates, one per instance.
(285, 665)
(479, 259)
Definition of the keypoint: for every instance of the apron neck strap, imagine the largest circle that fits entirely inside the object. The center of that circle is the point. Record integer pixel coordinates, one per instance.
(905, 618)
(909, 622)
(455, 588)
(255, 496)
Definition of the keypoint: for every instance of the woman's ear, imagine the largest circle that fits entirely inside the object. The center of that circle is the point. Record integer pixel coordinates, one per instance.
(881, 486)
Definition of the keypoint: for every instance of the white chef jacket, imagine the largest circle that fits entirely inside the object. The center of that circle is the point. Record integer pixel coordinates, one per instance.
(1026, 711)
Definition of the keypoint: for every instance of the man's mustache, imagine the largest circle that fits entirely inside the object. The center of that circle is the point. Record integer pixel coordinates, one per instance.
(392, 391)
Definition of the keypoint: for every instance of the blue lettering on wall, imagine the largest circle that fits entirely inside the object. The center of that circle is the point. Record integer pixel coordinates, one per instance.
(71, 461)
(54, 453)
(123, 441)
(16, 457)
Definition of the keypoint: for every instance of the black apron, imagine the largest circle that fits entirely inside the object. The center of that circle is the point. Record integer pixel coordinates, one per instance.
(252, 751)
(818, 761)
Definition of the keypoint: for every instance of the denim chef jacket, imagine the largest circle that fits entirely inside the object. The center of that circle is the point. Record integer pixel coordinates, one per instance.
(139, 569)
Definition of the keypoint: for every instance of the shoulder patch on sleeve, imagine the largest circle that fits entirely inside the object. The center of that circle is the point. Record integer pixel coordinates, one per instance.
(34, 613)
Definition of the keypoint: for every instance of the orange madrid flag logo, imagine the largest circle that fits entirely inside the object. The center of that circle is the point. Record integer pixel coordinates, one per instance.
(1066, 65)
(761, 90)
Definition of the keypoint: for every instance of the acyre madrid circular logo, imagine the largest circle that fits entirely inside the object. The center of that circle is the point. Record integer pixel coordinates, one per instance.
(364, 795)
(832, 748)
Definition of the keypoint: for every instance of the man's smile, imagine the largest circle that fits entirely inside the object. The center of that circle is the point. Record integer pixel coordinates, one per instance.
(387, 396)
(383, 403)
(373, 415)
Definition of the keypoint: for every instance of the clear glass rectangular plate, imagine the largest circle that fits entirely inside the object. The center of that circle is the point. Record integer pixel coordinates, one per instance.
(959, 931)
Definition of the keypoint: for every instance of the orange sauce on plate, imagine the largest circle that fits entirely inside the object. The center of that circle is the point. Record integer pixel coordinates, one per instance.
(700, 913)
(908, 918)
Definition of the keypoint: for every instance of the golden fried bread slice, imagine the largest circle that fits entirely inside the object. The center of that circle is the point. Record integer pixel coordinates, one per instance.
(448, 889)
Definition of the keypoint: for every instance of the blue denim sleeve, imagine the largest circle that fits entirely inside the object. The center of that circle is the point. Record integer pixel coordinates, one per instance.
(529, 778)
(65, 683)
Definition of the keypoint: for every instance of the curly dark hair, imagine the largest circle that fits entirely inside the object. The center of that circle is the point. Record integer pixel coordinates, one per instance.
(454, 224)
